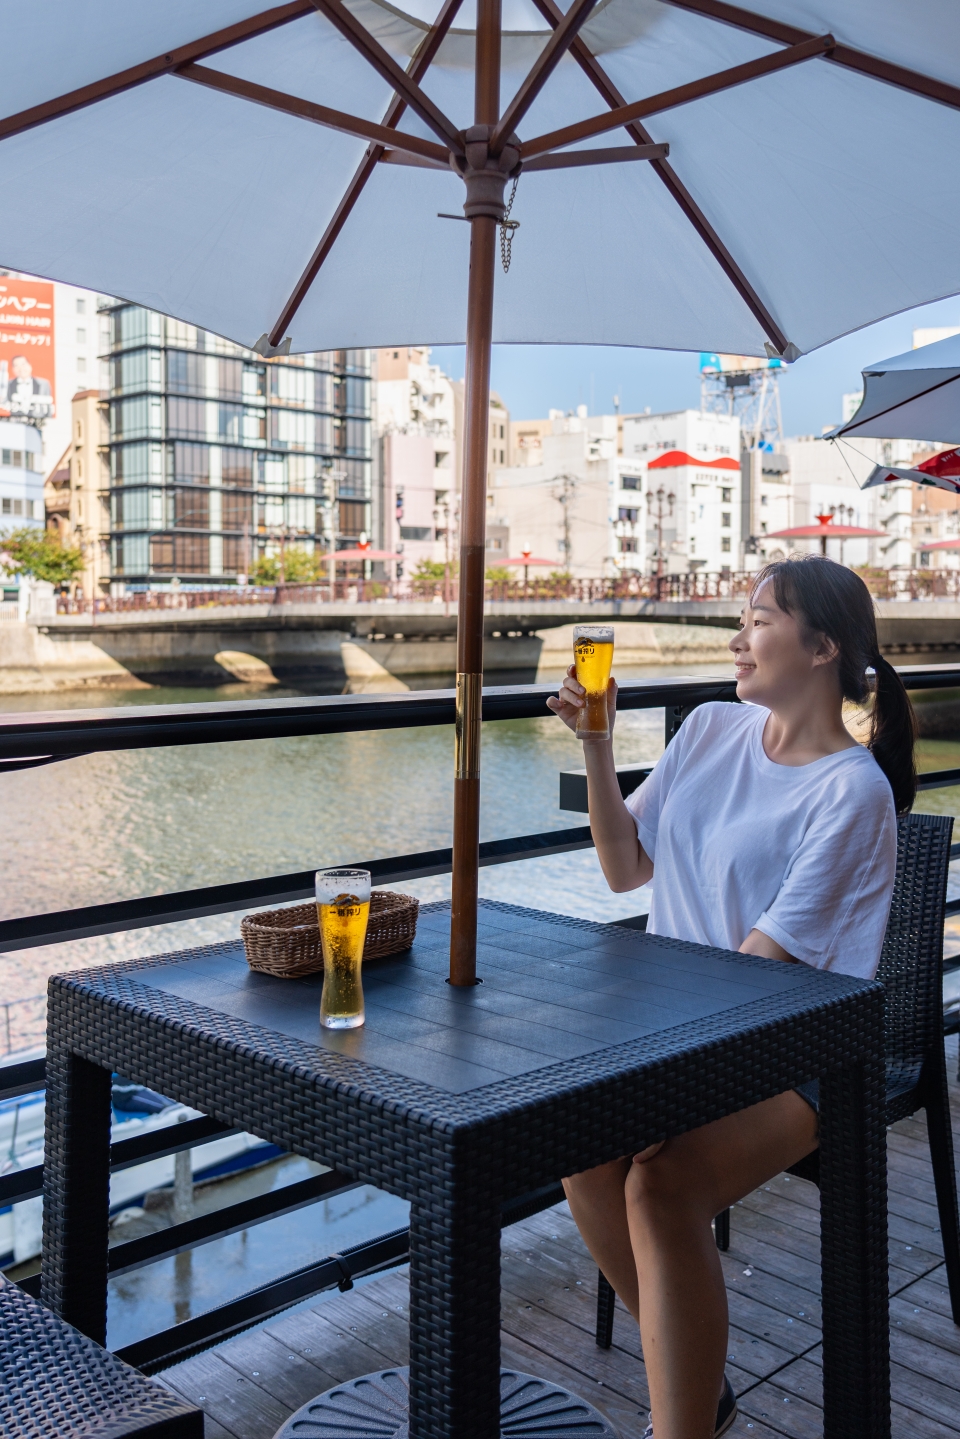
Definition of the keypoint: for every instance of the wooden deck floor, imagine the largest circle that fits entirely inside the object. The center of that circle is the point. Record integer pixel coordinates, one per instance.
(248, 1386)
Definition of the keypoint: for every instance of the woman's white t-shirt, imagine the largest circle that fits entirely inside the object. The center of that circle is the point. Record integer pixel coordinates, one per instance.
(805, 853)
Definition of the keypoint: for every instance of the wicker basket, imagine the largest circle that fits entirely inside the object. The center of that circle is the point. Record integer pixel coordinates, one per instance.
(286, 942)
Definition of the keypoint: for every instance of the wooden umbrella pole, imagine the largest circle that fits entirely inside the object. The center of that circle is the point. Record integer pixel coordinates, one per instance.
(466, 787)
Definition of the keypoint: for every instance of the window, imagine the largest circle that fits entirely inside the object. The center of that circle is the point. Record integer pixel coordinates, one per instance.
(411, 532)
(726, 496)
(185, 417)
(81, 365)
(191, 509)
(191, 463)
(81, 306)
(81, 336)
(725, 544)
(725, 519)
(630, 482)
(236, 468)
(6, 505)
(353, 518)
(501, 435)
(628, 546)
(18, 507)
(763, 499)
(237, 512)
(627, 514)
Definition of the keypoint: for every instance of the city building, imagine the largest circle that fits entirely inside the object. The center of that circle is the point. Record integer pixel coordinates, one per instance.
(570, 497)
(417, 410)
(217, 456)
(21, 476)
(76, 491)
(687, 467)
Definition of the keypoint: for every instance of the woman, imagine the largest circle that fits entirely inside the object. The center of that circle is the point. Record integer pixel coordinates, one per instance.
(765, 828)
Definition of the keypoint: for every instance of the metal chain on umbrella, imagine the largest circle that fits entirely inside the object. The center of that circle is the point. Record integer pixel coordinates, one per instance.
(507, 227)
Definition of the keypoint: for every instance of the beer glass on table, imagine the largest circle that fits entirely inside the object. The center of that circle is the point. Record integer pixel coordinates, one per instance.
(343, 908)
(593, 657)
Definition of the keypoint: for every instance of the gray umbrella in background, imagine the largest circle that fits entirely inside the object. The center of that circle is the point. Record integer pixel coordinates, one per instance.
(913, 396)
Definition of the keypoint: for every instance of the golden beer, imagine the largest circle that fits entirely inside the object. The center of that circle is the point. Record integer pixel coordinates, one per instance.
(593, 657)
(343, 909)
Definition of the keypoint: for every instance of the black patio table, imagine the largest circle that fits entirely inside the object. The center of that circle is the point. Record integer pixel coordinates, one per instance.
(583, 1042)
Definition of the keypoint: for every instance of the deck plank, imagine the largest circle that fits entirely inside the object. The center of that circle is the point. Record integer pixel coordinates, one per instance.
(249, 1385)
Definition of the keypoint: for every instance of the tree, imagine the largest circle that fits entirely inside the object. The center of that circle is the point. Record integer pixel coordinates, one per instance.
(427, 577)
(498, 575)
(299, 568)
(41, 554)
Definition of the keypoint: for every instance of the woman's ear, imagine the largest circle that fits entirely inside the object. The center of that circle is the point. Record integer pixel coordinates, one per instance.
(825, 651)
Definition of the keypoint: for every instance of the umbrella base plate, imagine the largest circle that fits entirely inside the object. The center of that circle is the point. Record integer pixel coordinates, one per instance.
(376, 1406)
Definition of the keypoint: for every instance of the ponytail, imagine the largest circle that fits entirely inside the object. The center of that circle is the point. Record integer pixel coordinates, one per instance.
(893, 732)
(830, 600)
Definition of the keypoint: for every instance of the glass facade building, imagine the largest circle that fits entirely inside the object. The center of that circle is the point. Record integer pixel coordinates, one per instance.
(217, 456)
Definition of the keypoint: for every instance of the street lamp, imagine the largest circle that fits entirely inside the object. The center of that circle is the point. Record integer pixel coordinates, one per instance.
(665, 503)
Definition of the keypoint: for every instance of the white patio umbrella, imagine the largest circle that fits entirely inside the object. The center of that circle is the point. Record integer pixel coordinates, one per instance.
(246, 170)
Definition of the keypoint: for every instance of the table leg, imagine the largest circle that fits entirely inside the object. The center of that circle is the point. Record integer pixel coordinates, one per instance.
(454, 1319)
(853, 1230)
(76, 1192)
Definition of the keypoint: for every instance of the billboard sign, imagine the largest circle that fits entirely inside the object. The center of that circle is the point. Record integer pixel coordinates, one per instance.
(712, 364)
(27, 353)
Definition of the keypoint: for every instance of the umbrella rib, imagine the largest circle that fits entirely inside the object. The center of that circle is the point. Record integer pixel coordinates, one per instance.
(843, 55)
(611, 156)
(602, 83)
(680, 95)
(318, 114)
(151, 69)
(419, 65)
(385, 65)
(547, 61)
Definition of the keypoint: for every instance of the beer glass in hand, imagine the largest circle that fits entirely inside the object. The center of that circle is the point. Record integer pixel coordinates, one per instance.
(343, 908)
(593, 657)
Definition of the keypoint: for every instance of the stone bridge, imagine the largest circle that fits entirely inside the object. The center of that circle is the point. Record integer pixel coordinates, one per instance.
(336, 643)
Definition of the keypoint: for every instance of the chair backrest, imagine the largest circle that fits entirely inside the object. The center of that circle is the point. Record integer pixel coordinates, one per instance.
(911, 964)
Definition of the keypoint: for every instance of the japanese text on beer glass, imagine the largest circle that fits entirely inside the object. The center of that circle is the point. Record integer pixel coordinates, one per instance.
(593, 657)
(343, 909)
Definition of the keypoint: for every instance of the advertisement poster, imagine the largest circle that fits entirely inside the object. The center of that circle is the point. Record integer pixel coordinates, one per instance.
(27, 374)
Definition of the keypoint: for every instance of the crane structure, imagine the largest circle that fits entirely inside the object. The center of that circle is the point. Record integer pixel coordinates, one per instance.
(749, 388)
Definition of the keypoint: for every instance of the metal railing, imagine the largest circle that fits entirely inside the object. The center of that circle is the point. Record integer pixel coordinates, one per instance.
(32, 739)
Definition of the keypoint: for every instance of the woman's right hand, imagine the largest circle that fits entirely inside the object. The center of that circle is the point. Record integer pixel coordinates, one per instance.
(572, 697)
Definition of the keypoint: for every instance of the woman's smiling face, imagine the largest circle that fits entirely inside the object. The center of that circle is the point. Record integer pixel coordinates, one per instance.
(770, 654)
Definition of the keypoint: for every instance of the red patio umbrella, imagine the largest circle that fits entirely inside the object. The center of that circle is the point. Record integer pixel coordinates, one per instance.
(365, 554)
(825, 530)
(526, 559)
(940, 545)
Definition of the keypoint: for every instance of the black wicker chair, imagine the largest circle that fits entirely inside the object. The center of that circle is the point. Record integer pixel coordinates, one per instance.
(911, 968)
(55, 1383)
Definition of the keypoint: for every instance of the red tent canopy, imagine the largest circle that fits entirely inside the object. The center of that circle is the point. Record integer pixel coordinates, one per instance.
(528, 560)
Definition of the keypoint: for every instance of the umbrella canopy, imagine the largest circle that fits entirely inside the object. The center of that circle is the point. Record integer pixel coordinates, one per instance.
(291, 177)
(207, 156)
(528, 560)
(915, 395)
(941, 471)
(940, 545)
(361, 554)
(824, 530)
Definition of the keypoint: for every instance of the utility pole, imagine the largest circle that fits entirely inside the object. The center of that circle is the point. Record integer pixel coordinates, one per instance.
(564, 496)
(665, 503)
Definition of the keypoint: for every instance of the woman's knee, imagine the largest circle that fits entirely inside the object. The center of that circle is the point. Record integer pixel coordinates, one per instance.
(662, 1183)
(595, 1182)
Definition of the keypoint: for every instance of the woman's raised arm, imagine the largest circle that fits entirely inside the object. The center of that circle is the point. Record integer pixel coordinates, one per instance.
(624, 863)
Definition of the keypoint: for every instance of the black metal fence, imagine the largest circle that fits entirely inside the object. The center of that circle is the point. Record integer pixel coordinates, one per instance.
(37, 739)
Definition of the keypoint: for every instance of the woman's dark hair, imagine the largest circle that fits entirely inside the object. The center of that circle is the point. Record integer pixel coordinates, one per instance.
(828, 599)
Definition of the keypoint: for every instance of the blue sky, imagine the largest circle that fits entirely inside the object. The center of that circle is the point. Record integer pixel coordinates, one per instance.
(532, 379)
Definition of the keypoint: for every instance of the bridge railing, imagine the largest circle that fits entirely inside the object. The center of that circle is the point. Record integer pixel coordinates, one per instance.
(27, 740)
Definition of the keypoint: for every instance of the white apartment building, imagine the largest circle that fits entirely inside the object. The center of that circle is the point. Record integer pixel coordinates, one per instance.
(21, 476)
(416, 413)
(571, 499)
(688, 467)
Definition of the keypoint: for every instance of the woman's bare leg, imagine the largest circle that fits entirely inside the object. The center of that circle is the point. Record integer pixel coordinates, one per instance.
(670, 1199)
(599, 1207)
